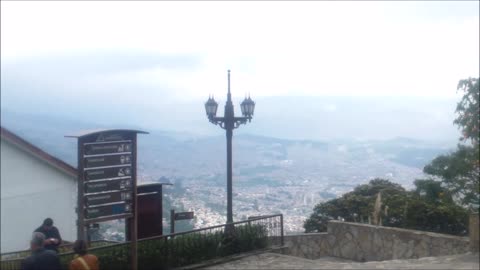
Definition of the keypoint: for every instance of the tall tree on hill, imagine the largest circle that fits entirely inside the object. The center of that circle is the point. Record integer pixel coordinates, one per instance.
(468, 117)
(432, 191)
(460, 171)
(358, 205)
(429, 207)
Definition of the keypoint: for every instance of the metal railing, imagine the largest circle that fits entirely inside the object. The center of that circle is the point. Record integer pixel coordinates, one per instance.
(63, 248)
(184, 248)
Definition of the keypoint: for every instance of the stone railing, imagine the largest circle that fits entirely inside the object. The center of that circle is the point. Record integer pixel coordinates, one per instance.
(362, 242)
(473, 232)
(309, 245)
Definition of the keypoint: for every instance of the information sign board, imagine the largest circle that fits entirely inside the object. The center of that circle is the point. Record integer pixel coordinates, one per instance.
(107, 180)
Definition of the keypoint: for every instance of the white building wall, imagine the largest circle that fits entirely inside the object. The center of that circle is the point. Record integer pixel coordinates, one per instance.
(32, 190)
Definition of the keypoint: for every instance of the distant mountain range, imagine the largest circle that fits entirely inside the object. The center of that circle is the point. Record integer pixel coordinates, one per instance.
(271, 175)
(179, 148)
(313, 118)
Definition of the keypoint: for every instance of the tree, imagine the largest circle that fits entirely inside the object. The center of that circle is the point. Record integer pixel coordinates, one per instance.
(468, 118)
(429, 207)
(460, 170)
(440, 217)
(432, 208)
(357, 206)
(459, 173)
(432, 191)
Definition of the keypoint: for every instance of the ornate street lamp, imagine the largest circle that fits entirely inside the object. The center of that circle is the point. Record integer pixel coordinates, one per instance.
(229, 122)
(211, 107)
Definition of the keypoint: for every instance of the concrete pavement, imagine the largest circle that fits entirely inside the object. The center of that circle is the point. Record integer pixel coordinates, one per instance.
(278, 261)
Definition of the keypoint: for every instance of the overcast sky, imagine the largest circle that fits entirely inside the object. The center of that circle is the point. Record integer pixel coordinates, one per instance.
(273, 48)
(159, 57)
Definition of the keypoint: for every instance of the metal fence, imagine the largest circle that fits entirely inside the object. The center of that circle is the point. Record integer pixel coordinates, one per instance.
(63, 248)
(190, 247)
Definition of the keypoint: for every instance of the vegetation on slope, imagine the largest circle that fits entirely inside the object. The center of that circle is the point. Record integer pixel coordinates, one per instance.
(437, 204)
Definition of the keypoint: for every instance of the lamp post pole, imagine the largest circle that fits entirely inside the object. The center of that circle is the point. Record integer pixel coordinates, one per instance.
(229, 122)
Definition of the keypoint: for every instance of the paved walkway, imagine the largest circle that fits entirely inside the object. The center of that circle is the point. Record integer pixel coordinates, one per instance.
(278, 261)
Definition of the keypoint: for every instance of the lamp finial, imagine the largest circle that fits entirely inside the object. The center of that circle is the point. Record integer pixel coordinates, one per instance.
(229, 81)
(229, 96)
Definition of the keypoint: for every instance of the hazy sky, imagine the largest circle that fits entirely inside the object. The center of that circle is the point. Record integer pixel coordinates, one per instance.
(156, 57)
(273, 48)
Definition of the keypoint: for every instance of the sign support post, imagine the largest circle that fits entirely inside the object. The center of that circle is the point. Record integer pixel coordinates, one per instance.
(133, 220)
(172, 221)
(80, 203)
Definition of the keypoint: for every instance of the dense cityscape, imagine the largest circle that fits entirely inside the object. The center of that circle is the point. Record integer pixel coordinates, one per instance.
(289, 178)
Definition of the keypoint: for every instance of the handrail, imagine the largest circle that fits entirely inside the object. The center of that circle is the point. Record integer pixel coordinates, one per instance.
(27, 251)
(188, 232)
(159, 236)
(175, 246)
(209, 228)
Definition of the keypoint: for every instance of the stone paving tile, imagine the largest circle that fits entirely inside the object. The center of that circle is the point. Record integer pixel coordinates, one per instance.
(279, 261)
(332, 259)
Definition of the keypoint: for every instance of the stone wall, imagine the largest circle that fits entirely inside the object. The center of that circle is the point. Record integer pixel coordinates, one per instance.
(310, 246)
(473, 232)
(362, 242)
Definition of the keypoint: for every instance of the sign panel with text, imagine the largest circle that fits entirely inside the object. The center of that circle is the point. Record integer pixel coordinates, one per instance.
(105, 173)
(106, 198)
(108, 210)
(183, 215)
(108, 185)
(108, 160)
(107, 148)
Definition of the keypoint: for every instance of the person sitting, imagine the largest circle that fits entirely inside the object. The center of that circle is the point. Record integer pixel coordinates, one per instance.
(83, 260)
(41, 258)
(53, 238)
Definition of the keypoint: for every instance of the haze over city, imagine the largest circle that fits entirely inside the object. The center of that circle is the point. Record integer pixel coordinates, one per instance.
(344, 91)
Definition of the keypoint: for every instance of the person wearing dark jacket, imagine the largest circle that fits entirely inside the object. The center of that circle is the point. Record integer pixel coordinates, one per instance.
(41, 258)
(53, 238)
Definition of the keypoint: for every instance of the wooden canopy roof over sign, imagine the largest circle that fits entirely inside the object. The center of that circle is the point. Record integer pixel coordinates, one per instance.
(85, 133)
